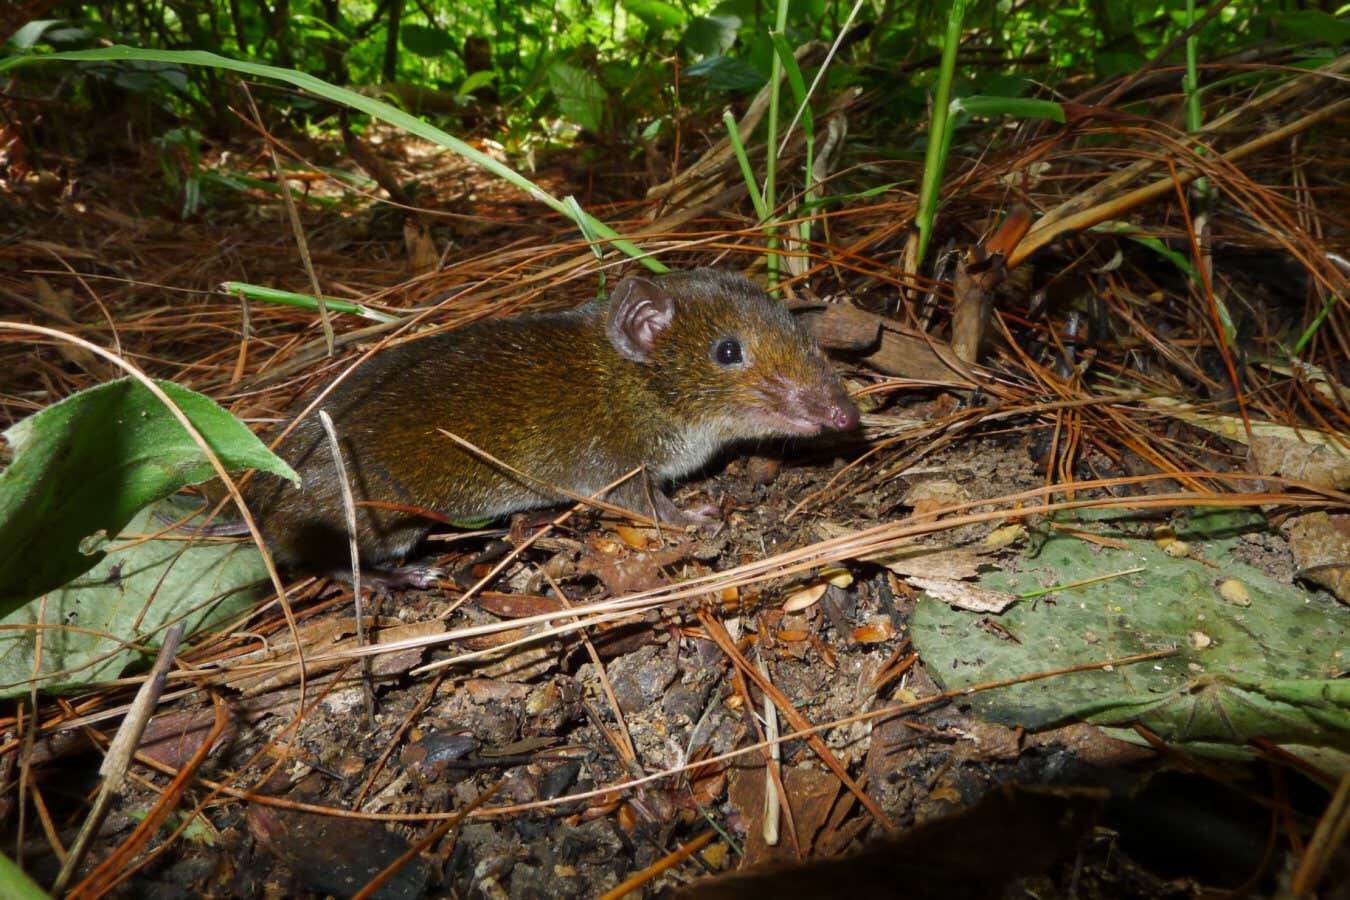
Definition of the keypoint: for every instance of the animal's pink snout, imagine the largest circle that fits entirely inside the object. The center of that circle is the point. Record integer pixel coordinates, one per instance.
(831, 407)
(842, 415)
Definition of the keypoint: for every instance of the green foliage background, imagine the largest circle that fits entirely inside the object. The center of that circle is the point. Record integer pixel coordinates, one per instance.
(623, 68)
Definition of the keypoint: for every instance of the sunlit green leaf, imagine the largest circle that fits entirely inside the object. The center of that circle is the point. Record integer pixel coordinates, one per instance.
(475, 81)
(1022, 108)
(657, 14)
(16, 885)
(33, 32)
(580, 97)
(84, 466)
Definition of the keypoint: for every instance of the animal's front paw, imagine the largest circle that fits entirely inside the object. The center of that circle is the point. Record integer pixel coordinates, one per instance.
(403, 578)
(703, 514)
(670, 514)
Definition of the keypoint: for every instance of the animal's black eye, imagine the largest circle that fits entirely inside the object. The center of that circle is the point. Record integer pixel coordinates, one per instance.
(727, 352)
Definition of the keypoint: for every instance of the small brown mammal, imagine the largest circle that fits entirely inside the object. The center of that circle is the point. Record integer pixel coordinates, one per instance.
(663, 373)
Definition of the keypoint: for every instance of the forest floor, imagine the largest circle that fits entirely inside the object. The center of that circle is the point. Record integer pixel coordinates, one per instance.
(534, 741)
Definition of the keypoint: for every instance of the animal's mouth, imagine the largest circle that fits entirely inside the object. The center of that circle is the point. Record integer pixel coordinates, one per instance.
(796, 411)
(797, 424)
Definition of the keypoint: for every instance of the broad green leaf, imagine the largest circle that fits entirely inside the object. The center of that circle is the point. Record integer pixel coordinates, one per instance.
(84, 466)
(15, 885)
(130, 596)
(427, 41)
(711, 35)
(727, 73)
(657, 14)
(580, 96)
(1267, 668)
(1312, 26)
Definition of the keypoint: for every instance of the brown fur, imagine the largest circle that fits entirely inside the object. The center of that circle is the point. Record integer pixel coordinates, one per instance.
(552, 396)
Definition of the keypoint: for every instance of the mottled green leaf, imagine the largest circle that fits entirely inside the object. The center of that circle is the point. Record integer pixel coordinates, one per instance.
(130, 596)
(84, 466)
(580, 97)
(1264, 669)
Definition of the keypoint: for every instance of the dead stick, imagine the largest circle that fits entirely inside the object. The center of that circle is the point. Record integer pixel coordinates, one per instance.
(349, 508)
(1273, 98)
(717, 631)
(118, 867)
(1112, 208)
(118, 757)
(1330, 834)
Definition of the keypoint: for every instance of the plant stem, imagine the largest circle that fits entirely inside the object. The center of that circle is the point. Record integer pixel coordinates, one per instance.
(939, 140)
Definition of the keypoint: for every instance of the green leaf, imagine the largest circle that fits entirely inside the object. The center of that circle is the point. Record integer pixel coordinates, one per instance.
(16, 885)
(711, 35)
(474, 82)
(29, 35)
(1311, 26)
(834, 199)
(84, 466)
(1022, 108)
(129, 597)
(67, 37)
(657, 14)
(794, 75)
(727, 73)
(1267, 668)
(427, 41)
(1180, 260)
(303, 301)
(580, 96)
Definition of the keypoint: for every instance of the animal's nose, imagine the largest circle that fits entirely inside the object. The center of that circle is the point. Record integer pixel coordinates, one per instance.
(842, 414)
(825, 404)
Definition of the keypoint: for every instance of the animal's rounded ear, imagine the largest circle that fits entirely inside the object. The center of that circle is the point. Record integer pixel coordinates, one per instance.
(639, 310)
